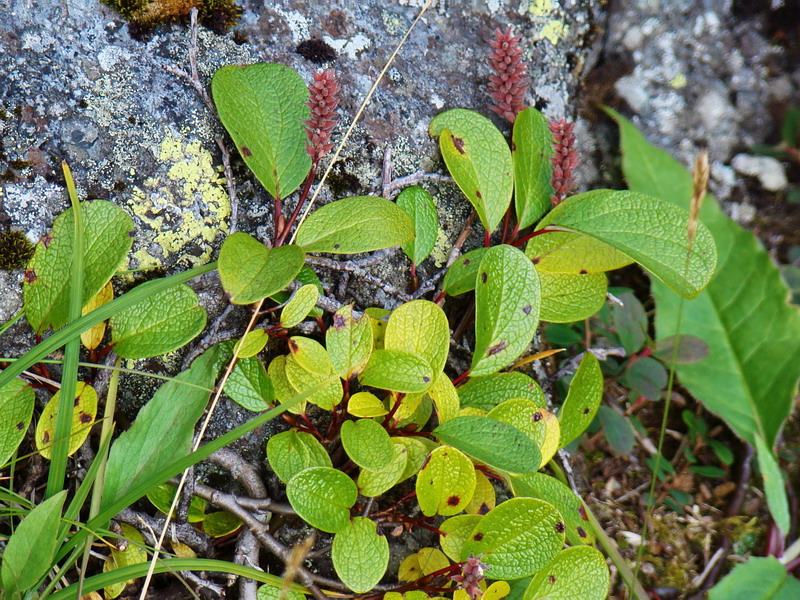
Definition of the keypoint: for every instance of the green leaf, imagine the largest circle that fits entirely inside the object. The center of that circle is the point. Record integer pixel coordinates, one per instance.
(323, 497)
(478, 158)
(461, 275)
(532, 145)
(375, 483)
(353, 225)
(774, 486)
(630, 322)
(445, 483)
(752, 333)
(691, 349)
(618, 429)
(419, 205)
(445, 397)
(306, 276)
(651, 231)
(360, 555)
(367, 444)
(420, 327)
(159, 324)
(457, 529)
(250, 271)
(583, 398)
(563, 252)
(275, 592)
(263, 107)
(30, 550)
(578, 573)
(310, 355)
(107, 241)
(252, 343)
(418, 449)
(84, 409)
(507, 298)
(164, 427)
(567, 297)
(549, 489)
(489, 391)
(366, 404)
(250, 386)
(284, 390)
(646, 377)
(517, 538)
(757, 579)
(398, 371)
(162, 497)
(300, 304)
(300, 379)
(349, 342)
(493, 442)
(290, 452)
(526, 416)
(219, 524)
(16, 407)
(790, 127)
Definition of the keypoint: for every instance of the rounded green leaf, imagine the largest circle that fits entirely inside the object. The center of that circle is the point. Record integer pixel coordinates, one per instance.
(398, 371)
(565, 252)
(489, 391)
(457, 529)
(630, 322)
(353, 225)
(445, 484)
(445, 398)
(419, 205)
(163, 495)
(349, 342)
(493, 442)
(420, 327)
(507, 298)
(757, 579)
(461, 275)
(84, 410)
(365, 404)
(134, 553)
(417, 450)
(252, 343)
(532, 145)
(274, 592)
(517, 538)
(284, 390)
(300, 379)
(323, 497)
(567, 297)
(578, 573)
(360, 555)
(367, 444)
(219, 524)
(646, 377)
(290, 452)
(549, 489)
(106, 241)
(479, 159)
(583, 399)
(300, 304)
(250, 386)
(311, 355)
(16, 407)
(159, 324)
(250, 271)
(651, 231)
(531, 420)
(375, 483)
(263, 107)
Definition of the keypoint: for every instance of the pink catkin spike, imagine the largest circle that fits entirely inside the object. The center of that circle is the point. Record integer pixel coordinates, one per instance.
(324, 98)
(510, 81)
(565, 159)
(472, 572)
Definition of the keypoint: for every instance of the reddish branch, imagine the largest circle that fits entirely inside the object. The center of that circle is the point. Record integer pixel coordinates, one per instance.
(510, 81)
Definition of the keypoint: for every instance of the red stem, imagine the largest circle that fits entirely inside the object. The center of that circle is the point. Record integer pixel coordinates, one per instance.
(533, 234)
(461, 378)
(487, 239)
(506, 223)
(300, 202)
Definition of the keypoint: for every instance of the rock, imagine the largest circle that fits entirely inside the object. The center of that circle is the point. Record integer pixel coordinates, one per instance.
(770, 172)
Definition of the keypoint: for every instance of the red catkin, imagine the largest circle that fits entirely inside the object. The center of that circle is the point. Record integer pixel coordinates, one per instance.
(472, 572)
(508, 85)
(324, 94)
(565, 158)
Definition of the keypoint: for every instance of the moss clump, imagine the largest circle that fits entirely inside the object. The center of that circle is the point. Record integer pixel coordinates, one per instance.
(218, 15)
(15, 250)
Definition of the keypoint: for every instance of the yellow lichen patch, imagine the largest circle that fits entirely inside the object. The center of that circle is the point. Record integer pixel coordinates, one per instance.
(554, 31)
(183, 210)
(441, 249)
(540, 8)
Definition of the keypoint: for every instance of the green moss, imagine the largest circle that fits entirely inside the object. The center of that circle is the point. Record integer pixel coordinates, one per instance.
(217, 15)
(15, 250)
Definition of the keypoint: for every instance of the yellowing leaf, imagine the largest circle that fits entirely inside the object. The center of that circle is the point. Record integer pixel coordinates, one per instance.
(16, 407)
(301, 379)
(567, 297)
(349, 342)
(299, 305)
(445, 398)
(252, 343)
(375, 483)
(484, 499)
(445, 484)
(577, 573)
(83, 413)
(420, 327)
(365, 404)
(133, 554)
(417, 451)
(283, 388)
(409, 570)
(310, 355)
(91, 338)
(431, 560)
(398, 371)
(457, 530)
(497, 591)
